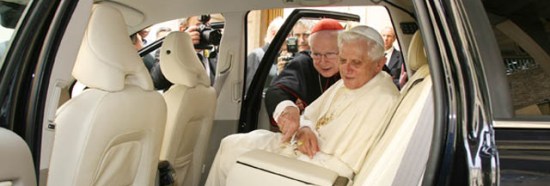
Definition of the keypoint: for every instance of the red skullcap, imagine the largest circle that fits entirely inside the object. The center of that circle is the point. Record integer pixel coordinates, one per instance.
(326, 24)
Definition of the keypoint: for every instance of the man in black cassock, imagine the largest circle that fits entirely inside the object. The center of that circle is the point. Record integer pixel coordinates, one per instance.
(305, 78)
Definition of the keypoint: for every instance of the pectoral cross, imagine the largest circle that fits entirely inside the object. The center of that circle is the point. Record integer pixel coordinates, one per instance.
(323, 121)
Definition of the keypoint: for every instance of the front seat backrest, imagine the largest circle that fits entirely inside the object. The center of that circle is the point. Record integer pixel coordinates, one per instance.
(191, 105)
(403, 148)
(111, 133)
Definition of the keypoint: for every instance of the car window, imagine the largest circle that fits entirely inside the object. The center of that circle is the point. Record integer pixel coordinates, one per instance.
(522, 30)
(10, 15)
(206, 32)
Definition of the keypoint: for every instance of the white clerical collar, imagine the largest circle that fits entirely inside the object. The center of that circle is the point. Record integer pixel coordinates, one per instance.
(366, 86)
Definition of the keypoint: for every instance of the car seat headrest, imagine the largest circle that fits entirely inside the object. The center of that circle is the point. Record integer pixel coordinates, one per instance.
(179, 61)
(416, 55)
(107, 60)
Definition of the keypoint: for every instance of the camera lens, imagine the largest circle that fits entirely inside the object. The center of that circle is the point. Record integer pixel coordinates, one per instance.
(213, 36)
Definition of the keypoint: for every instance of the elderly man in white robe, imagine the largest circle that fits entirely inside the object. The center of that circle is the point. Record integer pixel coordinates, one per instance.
(338, 129)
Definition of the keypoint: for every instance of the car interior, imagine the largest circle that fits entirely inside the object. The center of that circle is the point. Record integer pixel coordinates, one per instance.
(104, 123)
(191, 110)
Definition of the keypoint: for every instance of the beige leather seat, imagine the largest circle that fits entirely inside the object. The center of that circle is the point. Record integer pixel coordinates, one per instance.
(400, 156)
(111, 133)
(191, 105)
(15, 160)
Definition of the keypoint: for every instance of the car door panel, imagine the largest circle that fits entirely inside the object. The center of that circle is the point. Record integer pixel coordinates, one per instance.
(524, 151)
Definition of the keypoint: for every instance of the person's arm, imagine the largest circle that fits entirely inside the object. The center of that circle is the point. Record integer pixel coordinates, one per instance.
(283, 112)
(275, 95)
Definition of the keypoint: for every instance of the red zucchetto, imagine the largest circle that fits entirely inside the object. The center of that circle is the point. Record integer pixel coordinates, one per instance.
(326, 24)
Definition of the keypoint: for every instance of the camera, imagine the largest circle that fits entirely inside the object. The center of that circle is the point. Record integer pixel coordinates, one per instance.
(291, 48)
(210, 34)
(292, 45)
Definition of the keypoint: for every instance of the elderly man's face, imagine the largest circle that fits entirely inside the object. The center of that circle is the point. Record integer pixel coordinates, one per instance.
(355, 68)
(324, 51)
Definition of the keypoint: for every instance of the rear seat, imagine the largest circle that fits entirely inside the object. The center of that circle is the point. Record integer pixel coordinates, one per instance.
(409, 132)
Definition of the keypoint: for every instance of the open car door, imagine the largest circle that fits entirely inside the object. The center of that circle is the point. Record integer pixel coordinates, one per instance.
(30, 35)
(252, 111)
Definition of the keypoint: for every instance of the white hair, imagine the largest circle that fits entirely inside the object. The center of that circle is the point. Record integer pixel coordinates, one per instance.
(273, 27)
(375, 43)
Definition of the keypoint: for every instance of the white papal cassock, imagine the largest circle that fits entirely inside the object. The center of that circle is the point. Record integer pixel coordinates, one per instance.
(347, 123)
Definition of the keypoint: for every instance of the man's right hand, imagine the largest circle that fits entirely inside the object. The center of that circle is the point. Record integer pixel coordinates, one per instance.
(289, 122)
(193, 31)
(281, 64)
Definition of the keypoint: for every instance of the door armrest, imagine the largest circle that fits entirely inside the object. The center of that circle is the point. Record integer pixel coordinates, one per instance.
(258, 167)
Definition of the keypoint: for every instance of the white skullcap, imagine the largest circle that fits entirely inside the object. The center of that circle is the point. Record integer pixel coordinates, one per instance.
(370, 33)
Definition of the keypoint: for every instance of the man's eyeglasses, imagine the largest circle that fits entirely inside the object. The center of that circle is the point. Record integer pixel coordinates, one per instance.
(327, 56)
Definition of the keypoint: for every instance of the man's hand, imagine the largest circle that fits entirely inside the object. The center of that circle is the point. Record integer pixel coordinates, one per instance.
(288, 122)
(193, 31)
(281, 64)
(307, 141)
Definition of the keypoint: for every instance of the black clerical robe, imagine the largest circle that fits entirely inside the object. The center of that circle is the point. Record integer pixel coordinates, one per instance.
(298, 82)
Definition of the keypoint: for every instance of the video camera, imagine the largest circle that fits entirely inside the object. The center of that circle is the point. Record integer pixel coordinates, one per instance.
(210, 33)
(292, 48)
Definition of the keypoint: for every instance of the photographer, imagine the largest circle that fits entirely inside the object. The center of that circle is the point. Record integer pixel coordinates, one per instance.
(297, 44)
(205, 38)
(288, 52)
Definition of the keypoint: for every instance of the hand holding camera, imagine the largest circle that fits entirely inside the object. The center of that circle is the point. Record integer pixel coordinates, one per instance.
(204, 35)
(193, 31)
(210, 34)
(287, 53)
